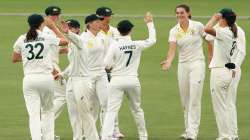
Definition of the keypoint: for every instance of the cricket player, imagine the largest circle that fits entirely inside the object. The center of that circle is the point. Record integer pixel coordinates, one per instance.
(96, 53)
(76, 56)
(223, 70)
(80, 86)
(33, 49)
(109, 33)
(53, 12)
(188, 36)
(238, 58)
(124, 56)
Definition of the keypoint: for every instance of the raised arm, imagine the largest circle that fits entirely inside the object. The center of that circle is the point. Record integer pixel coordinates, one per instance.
(49, 23)
(76, 39)
(209, 26)
(151, 31)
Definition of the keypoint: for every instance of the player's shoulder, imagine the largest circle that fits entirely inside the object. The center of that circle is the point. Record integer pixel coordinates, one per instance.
(174, 28)
(196, 23)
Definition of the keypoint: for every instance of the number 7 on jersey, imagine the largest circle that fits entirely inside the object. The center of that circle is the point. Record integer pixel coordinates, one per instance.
(129, 58)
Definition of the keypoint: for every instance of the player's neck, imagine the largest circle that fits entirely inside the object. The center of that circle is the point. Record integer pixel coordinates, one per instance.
(105, 28)
(184, 24)
(94, 32)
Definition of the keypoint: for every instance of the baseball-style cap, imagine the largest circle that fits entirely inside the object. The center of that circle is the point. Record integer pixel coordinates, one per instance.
(35, 20)
(53, 11)
(124, 26)
(73, 23)
(104, 11)
(92, 17)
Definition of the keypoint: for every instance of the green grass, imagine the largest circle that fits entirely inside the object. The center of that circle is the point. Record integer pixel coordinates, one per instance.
(160, 95)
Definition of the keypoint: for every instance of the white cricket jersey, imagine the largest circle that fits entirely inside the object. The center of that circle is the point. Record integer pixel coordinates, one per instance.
(55, 50)
(109, 36)
(240, 52)
(36, 56)
(189, 42)
(77, 56)
(96, 51)
(124, 54)
(224, 43)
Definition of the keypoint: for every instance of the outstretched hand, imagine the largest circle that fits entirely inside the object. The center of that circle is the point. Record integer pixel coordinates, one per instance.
(148, 17)
(165, 65)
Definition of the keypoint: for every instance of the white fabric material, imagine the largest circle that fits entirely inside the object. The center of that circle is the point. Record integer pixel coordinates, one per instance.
(223, 45)
(124, 54)
(129, 86)
(124, 81)
(38, 95)
(189, 42)
(36, 56)
(78, 72)
(95, 57)
(55, 50)
(191, 77)
(220, 84)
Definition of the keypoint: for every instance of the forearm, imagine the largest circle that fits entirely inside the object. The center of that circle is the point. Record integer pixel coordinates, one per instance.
(210, 51)
(171, 53)
(151, 32)
(74, 38)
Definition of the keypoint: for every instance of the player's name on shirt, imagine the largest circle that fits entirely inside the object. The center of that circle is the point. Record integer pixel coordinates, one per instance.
(128, 47)
(37, 39)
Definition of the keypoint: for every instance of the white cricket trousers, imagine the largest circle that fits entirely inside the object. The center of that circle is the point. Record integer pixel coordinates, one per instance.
(100, 98)
(59, 94)
(38, 94)
(220, 84)
(233, 107)
(79, 92)
(130, 86)
(59, 97)
(191, 77)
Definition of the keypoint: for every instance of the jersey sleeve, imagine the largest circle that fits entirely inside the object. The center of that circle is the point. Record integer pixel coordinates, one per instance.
(108, 60)
(240, 52)
(52, 40)
(201, 29)
(143, 44)
(221, 33)
(18, 44)
(76, 39)
(209, 38)
(172, 36)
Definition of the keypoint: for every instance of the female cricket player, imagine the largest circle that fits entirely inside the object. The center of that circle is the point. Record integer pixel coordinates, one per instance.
(109, 33)
(96, 53)
(238, 58)
(79, 86)
(188, 35)
(124, 57)
(223, 69)
(33, 49)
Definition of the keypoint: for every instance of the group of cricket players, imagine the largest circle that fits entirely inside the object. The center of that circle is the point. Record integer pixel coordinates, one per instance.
(103, 66)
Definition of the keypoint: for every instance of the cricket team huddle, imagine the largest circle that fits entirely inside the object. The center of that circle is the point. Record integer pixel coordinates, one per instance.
(103, 67)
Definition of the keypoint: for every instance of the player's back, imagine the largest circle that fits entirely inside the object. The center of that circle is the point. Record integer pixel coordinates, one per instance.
(36, 53)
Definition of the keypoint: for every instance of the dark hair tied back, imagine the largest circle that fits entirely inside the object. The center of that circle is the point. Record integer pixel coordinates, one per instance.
(185, 7)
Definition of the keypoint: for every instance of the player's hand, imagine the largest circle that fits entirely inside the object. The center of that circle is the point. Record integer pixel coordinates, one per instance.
(165, 65)
(148, 17)
(64, 27)
(217, 16)
(58, 76)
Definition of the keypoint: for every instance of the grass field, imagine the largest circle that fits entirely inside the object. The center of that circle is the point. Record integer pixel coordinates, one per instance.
(161, 100)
